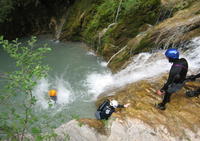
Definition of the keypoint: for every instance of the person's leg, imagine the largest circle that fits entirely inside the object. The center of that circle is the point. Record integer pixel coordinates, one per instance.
(166, 100)
(54, 98)
(171, 89)
(97, 115)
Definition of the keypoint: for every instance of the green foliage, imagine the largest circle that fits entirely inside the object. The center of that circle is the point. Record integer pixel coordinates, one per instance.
(132, 15)
(129, 4)
(105, 15)
(19, 117)
(5, 8)
(28, 60)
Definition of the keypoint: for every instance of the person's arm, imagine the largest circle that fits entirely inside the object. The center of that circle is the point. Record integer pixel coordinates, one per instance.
(197, 76)
(193, 77)
(123, 106)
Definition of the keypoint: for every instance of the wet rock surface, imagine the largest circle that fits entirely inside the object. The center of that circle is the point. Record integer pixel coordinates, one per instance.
(141, 120)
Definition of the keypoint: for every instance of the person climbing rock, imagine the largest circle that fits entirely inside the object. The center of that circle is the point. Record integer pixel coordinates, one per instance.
(195, 93)
(106, 109)
(53, 94)
(176, 77)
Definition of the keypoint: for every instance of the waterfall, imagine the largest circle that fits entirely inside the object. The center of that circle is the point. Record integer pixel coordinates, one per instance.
(59, 27)
(143, 66)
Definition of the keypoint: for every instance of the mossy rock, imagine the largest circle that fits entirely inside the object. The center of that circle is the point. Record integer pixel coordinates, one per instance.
(118, 62)
(144, 12)
(108, 50)
(78, 15)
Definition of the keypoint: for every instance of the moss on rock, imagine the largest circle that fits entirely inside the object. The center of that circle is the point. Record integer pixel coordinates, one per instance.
(175, 31)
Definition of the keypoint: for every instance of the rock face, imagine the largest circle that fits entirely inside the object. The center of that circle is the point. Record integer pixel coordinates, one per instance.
(142, 121)
(74, 131)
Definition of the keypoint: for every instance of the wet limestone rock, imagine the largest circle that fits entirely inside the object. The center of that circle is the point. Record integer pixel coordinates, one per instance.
(141, 121)
(78, 131)
(181, 119)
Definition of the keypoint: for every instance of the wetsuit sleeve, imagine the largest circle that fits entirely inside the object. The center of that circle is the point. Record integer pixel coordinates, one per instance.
(120, 106)
(197, 76)
(174, 71)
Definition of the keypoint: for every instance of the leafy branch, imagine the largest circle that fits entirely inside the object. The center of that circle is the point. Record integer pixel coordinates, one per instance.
(28, 60)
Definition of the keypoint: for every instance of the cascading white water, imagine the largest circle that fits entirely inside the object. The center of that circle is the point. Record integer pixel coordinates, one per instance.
(143, 66)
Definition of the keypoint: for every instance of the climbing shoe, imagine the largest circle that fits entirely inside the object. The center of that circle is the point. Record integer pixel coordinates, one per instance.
(160, 106)
(192, 94)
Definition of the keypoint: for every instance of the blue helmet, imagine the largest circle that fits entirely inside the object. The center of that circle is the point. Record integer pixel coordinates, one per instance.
(172, 53)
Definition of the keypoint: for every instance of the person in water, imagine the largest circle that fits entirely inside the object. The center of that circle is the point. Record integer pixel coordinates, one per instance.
(106, 109)
(196, 92)
(53, 94)
(176, 77)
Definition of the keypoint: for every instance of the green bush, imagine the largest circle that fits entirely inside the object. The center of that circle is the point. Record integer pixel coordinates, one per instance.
(105, 15)
(17, 100)
(5, 8)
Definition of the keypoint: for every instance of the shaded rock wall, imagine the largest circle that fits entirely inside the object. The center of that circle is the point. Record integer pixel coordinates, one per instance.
(33, 17)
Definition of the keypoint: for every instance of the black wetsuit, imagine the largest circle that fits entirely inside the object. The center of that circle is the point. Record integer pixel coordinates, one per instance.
(54, 98)
(176, 78)
(105, 110)
(197, 76)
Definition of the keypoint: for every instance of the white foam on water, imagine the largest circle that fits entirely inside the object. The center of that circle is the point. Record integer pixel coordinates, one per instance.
(97, 83)
(103, 64)
(41, 92)
(64, 92)
(91, 53)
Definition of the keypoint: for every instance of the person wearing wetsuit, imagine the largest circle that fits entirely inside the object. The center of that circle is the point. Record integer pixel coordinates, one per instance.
(176, 77)
(106, 109)
(53, 94)
(196, 92)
